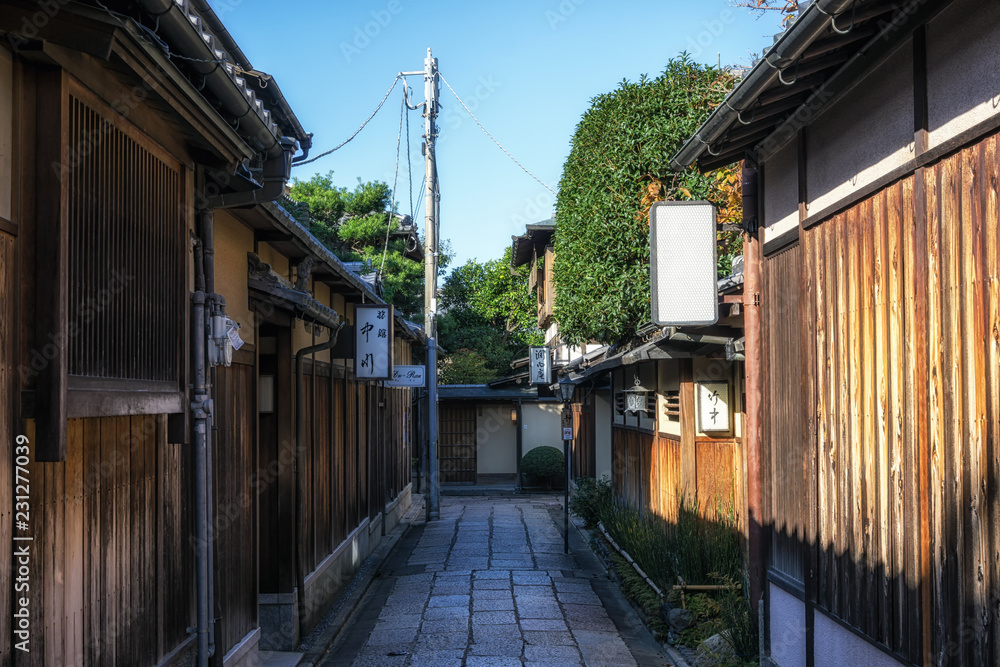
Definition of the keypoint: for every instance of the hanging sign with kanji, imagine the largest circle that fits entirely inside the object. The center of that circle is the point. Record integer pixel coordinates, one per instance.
(539, 365)
(373, 342)
(713, 406)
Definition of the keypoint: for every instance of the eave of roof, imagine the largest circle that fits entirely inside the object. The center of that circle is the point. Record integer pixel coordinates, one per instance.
(827, 49)
(537, 235)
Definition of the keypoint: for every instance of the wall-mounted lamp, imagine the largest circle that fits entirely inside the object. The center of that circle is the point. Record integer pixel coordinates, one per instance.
(566, 390)
(513, 414)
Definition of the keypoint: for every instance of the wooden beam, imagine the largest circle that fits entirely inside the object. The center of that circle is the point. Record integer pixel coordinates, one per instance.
(52, 262)
(689, 461)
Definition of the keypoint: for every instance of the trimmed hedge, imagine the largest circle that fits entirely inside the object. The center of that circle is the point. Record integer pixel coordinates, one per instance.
(546, 464)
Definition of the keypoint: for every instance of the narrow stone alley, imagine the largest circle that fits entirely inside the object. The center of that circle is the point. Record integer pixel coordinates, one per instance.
(489, 584)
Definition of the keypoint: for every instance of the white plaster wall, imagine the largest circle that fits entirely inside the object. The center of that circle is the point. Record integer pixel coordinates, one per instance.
(963, 68)
(496, 439)
(602, 427)
(781, 191)
(836, 646)
(863, 136)
(6, 131)
(788, 629)
(667, 379)
(542, 426)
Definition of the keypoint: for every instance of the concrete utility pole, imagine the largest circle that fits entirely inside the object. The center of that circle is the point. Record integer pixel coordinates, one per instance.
(430, 277)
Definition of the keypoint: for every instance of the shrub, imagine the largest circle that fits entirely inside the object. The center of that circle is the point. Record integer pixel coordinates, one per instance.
(546, 464)
(590, 496)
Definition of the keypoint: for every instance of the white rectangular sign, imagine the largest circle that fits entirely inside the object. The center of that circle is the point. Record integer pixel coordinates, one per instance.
(406, 376)
(373, 342)
(539, 365)
(713, 406)
(682, 256)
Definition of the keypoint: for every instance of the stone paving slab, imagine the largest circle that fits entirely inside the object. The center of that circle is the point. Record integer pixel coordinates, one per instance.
(489, 585)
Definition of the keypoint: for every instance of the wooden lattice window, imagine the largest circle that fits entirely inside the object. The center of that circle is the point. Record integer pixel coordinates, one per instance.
(111, 264)
(672, 405)
(125, 224)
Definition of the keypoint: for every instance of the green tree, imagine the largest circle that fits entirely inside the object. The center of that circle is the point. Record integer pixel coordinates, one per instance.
(617, 167)
(487, 312)
(354, 225)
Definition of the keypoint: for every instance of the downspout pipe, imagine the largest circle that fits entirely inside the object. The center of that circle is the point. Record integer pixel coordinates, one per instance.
(788, 48)
(201, 408)
(300, 427)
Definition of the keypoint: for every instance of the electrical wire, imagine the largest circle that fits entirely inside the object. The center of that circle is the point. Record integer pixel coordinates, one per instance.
(395, 173)
(356, 132)
(523, 168)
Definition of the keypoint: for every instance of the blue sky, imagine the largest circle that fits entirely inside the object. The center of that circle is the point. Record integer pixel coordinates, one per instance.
(527, 69)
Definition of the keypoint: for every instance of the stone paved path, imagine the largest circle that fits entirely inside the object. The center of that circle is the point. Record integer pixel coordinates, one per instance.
(488, 584)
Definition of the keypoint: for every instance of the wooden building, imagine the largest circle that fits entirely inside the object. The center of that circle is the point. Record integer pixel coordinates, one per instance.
(873, 399)
(138, 153)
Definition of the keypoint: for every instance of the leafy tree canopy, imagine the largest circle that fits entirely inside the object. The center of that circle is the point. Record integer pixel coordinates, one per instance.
(617, 167)
(488, 321)
(354, 225)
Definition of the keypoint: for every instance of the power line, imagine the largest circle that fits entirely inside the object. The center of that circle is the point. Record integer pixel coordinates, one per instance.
(346, 141)
(491, 136)
(395, 173)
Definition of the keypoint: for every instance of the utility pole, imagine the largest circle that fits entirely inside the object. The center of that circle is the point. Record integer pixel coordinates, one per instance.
(430, 278)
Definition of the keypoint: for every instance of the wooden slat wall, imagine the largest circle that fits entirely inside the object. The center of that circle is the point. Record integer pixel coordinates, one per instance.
(647, 472)
(584, 436)
(457, 444)
(904, 288)
(111, 580)
(235, 505)
(782, 426)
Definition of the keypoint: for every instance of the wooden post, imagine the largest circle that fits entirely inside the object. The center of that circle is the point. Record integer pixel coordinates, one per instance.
(754, 414)
(689, 461)
(52, 265)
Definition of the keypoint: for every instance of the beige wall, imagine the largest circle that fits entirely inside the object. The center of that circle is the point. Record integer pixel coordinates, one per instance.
(963, 68)
(233, 241)
(6, 132)
(542, 426)
(496, 439)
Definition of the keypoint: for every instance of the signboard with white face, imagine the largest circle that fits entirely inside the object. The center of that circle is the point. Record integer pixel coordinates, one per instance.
(406, 376)
(682, 255)
(373, 342)
(539, 365)
(712, 400)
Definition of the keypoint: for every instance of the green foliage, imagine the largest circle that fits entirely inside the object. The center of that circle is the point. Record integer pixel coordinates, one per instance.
(618, 165)
(352, 224)
(739, 616)
(545, 463)
(366, 231)
(693, 547)
(487, 310)
(464, 366)
(590, 496)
